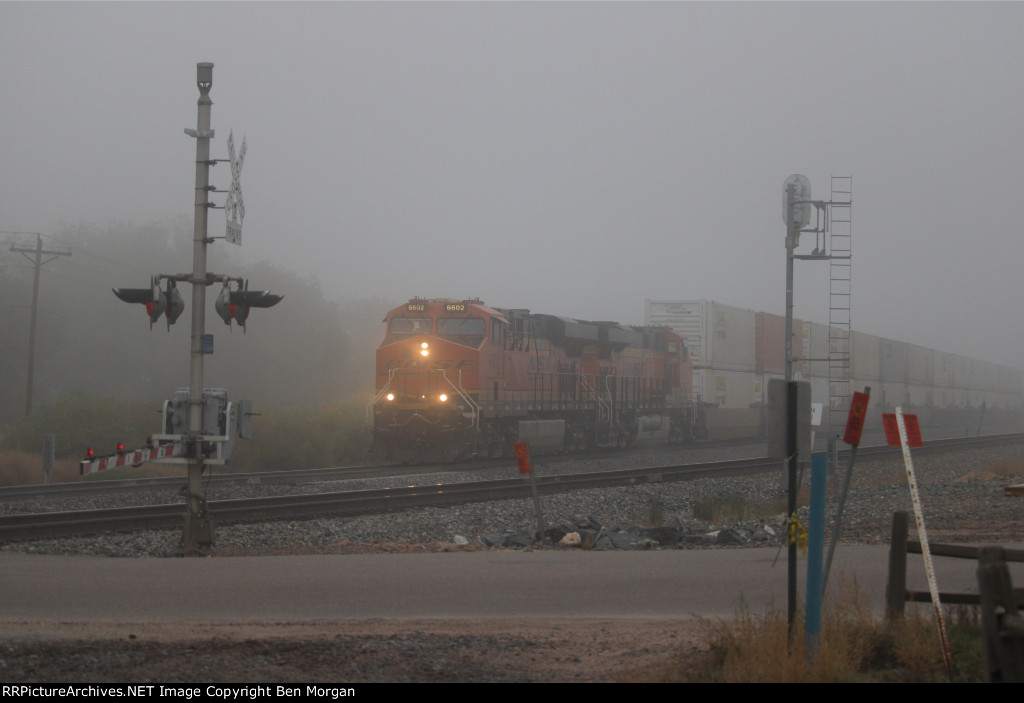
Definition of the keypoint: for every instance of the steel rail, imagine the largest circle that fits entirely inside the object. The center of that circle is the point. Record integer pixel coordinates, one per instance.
(95, 487)
(28, 526)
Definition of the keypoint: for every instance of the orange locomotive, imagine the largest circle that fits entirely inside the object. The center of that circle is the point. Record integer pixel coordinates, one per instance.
(459, 378)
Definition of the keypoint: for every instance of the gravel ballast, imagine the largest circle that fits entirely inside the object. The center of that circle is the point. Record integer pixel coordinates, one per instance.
(961, 493)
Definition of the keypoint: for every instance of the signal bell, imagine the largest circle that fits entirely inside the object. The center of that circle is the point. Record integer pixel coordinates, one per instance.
(175, 305)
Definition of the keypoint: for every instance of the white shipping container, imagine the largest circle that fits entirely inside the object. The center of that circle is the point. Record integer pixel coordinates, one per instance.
(723, 346)
(815, 350)
(961, 372)
(989, 376)
(718, 336)
(893, 360)
(892, 394)
(943, 369)
(921, 395)
(728, 389)
(866, 356)
(920, 365)
(819, 391)
(1009, 380)
(945, 397)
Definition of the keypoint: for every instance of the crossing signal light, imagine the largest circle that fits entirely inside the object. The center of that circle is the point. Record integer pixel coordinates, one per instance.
(120, 448)
(235, 304)
(153, 298)
(90, 454)
(157, 302)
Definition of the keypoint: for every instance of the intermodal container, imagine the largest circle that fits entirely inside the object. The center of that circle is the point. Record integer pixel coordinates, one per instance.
(892, 361)
(770, 333)
(920, 364)
(866, 356)
(718, 336)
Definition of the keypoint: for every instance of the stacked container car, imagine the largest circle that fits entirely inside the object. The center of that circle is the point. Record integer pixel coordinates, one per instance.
(735, 352)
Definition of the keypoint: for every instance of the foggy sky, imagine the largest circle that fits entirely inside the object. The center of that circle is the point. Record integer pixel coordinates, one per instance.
(570, 158)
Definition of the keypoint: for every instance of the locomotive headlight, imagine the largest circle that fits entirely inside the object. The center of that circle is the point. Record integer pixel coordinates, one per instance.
(425, 349)
(443, 397)
(390, 396)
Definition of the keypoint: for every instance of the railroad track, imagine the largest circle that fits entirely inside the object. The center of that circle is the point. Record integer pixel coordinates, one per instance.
(303, 506)
(11, 494)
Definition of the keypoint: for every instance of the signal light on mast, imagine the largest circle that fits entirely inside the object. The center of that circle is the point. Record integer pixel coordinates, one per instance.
(153, 298)
(90, 454)
(235, 304)
(120, 448)
(157, 301)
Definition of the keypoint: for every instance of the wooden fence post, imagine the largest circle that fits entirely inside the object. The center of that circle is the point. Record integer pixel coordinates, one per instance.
(896, 588)
(1002, 623)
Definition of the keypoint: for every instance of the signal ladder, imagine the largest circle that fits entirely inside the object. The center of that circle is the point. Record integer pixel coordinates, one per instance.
(840, 228)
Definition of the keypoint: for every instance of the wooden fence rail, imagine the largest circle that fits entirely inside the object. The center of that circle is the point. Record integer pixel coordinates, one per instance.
(998, 599)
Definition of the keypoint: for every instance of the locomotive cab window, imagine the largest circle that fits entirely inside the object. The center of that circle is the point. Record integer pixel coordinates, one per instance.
(497, 331)
(404, 326)
(468, 331)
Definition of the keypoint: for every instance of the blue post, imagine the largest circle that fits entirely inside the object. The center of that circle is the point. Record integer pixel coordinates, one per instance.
(815, 553)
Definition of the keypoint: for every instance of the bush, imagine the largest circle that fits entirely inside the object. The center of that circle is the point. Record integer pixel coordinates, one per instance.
(723, 508)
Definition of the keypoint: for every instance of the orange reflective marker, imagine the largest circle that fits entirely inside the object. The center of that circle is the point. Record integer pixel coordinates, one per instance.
(523, 457)
(855, 422)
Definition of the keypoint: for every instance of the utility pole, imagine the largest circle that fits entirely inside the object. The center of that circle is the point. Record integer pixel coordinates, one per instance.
(38, 252)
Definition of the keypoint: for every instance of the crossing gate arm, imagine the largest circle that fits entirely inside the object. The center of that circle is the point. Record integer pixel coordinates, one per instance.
(134, 458)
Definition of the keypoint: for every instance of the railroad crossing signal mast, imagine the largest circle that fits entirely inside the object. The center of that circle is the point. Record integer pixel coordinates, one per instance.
(233, 304)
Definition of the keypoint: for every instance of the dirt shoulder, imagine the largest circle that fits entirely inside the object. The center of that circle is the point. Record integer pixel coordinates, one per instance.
(356, 651)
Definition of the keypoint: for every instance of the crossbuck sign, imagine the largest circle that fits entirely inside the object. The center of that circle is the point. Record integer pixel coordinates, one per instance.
(234, 207)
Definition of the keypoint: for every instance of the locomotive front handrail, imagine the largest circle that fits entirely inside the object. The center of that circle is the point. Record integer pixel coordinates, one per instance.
(380, 394)
(475, 414)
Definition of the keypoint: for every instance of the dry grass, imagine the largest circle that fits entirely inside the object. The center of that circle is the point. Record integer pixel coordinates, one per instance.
(26, 469)
(727, 507)
(654, 516)
(853, 647)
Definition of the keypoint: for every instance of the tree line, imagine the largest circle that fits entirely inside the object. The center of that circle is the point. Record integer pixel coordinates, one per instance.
(100, 370)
